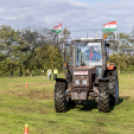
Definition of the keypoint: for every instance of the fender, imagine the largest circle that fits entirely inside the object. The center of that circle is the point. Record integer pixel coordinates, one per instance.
(61, 80)
(104, 80)
(110, 67)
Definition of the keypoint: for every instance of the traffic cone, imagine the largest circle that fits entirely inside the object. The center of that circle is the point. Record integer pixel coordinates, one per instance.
(128, 77)
(26, 86)
(26, 131)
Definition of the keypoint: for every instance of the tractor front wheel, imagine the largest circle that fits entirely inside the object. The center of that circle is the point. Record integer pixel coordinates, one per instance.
(60, 99)
(103, 103)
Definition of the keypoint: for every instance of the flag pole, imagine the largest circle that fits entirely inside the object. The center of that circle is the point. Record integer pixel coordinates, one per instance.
(58, 35)
(115, 31)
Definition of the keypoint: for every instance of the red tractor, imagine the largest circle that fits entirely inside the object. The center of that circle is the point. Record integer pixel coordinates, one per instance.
(88, 73)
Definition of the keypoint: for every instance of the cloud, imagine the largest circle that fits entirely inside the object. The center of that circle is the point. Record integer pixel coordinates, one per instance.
(75, 15)
(78, 4)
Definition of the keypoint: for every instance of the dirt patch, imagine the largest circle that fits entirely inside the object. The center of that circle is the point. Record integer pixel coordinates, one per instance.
(31, 84)
(19, 86)
(40, 94)
(31, 94)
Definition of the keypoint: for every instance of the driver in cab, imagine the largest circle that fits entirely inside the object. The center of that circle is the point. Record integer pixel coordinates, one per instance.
(91, 54)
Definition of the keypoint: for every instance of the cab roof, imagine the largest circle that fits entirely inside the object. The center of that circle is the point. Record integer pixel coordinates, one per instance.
(77, 40)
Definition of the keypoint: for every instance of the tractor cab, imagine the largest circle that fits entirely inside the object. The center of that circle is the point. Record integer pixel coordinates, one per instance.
(86, 54)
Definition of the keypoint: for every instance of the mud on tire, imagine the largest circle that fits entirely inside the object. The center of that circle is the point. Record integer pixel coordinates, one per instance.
(60, 99)
(103, 103)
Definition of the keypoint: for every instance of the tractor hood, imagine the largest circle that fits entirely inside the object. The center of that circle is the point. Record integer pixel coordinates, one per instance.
(87, 67)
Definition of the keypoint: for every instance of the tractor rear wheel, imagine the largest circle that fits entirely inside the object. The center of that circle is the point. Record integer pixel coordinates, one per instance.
(103, 103)
(60, 99)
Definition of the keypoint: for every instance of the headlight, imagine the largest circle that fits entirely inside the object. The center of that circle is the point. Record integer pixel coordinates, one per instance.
(84, 82)
(77, 82)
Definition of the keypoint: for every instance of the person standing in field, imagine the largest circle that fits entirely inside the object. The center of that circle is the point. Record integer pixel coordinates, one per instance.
(49, 72)
(55, 73)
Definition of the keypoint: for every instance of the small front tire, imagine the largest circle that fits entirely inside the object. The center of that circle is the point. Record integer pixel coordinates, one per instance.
(60, 99)
(103, 102)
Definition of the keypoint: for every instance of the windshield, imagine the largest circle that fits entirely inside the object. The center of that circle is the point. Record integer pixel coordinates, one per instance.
(87, 54)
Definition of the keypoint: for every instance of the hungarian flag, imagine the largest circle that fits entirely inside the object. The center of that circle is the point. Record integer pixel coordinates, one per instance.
(57, 29)
(110, 27)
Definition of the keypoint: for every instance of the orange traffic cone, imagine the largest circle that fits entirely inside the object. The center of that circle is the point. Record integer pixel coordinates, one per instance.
(128, 77)
(26, 86)
(26, 131)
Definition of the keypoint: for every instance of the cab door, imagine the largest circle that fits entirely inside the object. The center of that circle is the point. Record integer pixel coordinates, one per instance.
(66, 57)
(66, 53)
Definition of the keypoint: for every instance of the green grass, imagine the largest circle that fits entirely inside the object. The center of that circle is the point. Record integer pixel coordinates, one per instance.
(35, 107)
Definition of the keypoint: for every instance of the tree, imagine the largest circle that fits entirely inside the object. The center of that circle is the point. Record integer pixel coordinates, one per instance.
(32, 40)
(11, 45)
(2, 64)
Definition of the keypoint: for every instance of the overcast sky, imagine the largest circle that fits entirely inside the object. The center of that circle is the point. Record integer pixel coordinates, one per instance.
(81, 17)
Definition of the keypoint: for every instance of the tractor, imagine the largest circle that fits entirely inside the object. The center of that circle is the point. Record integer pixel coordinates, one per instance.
(87, 73)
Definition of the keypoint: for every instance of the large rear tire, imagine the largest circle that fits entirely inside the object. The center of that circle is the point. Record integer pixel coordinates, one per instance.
(103, 103)
(60, 99)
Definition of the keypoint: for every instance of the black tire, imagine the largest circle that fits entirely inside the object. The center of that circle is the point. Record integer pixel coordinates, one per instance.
(60, 99)
(113, 87)
(117, 91)
(103, 103)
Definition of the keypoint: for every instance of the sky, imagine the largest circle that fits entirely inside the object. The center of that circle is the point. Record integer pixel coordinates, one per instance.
(81, 17)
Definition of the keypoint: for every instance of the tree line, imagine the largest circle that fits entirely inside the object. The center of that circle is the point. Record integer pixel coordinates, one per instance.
(30, 52)
(33, 51)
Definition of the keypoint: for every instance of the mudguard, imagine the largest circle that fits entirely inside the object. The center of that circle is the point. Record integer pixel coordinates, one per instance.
(61, 80)
(110, 67)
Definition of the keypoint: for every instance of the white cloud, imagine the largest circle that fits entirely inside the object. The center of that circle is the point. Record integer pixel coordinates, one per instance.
(75, 15)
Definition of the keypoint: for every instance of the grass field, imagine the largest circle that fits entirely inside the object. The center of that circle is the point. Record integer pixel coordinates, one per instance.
(35, 107)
